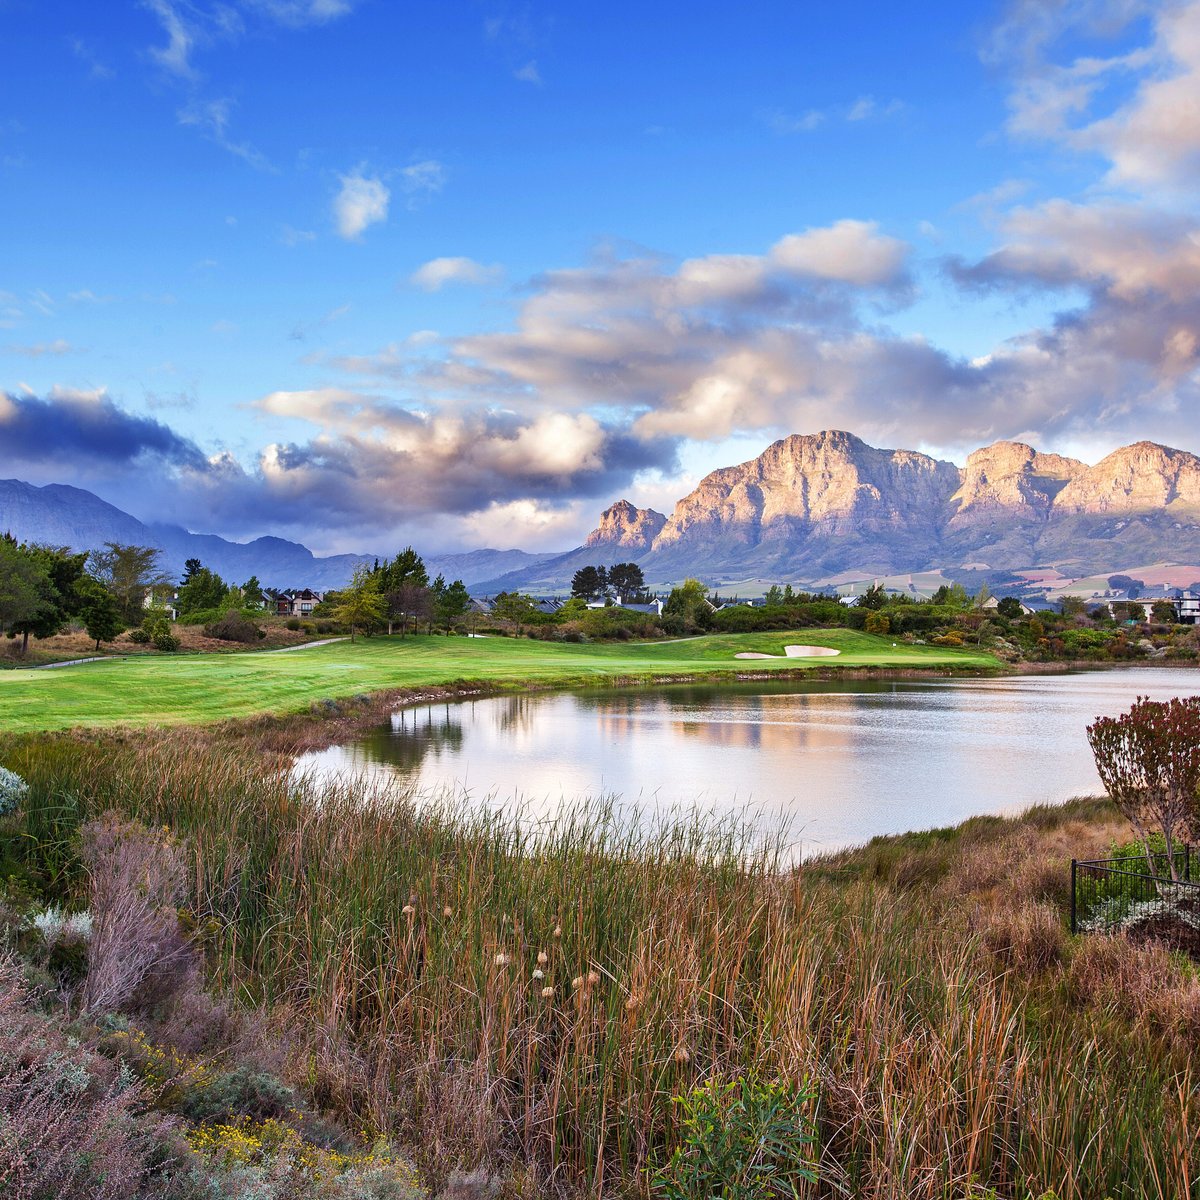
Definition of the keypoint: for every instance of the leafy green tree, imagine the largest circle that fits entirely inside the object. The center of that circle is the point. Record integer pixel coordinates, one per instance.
(572, 610)
(190, 567)
(58, 603)
(205, 590)
(627, 580)
(252, 593)
(774, 596)
(129, 572)
(404, 582)
(361, 604)
(451, 603)
(589, 582)
(517, 608)
(687, 606)
(873, 598)
(24, 584)
(953, 594)
(1009, 608)
(99, 610)
(1163, 611)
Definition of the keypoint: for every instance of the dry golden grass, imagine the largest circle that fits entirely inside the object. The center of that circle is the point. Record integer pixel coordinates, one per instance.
(955, 1036)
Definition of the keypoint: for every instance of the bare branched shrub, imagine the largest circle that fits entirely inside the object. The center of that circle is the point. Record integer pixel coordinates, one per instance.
(70, 1125)
(1149, 762)
(137, 879)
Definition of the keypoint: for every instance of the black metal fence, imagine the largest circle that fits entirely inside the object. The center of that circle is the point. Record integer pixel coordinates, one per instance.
(1108, 893)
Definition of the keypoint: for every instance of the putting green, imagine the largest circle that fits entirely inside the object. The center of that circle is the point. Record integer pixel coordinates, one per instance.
(201, 688)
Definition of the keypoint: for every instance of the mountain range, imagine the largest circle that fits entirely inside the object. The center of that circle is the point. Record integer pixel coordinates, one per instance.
(814, 506)
(60, 515)
(807, 509)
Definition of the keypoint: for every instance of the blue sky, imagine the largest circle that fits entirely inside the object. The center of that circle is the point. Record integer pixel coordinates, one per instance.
(362, 272)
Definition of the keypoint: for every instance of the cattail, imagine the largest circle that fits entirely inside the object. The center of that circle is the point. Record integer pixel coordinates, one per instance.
(502, 960)
(682, 1056)
(543, 958)
(547, 993)
(577, 982)
(539, 974)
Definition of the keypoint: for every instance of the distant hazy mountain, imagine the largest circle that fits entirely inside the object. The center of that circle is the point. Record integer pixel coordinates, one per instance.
(816, 505)
(69, 516)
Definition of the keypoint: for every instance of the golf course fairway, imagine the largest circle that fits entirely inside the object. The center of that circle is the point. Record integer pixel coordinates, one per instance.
(198, 689)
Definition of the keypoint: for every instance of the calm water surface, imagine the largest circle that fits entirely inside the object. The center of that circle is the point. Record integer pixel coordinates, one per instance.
(834, 763)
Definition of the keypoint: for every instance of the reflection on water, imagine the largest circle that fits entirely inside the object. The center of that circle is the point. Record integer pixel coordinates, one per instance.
(835, 762)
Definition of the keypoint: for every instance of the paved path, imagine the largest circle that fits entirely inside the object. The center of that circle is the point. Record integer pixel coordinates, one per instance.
(74, 662)
(306, 646)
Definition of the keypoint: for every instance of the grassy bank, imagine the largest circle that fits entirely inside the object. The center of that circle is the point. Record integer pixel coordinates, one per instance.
(922, 991)
(202, 688)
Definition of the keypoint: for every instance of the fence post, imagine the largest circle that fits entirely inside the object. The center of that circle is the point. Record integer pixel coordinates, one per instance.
(1074, 864)
(1187, 861)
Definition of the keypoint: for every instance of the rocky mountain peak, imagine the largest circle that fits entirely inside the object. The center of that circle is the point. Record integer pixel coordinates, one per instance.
(1144, 477)
(624, 525)
(1014, 477)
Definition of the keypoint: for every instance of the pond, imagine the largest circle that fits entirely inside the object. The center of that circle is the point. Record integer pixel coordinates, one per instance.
(833, 763)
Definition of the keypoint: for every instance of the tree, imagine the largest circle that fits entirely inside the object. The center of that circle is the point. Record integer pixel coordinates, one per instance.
(688, 605)
(405, 585)
(361, 604)
(129, 572)
(252, 593)
(627, 580)
(983, 595)
(1149, 762)
(589, 582)
(515, 607)
(874, 597)
(774, 596)
(57, 603)
(203, 591)
(451, 603)
(1009, 608)
(1164, 612)
(953, 594)
(190, 567)
(23, 586)
(99, 610)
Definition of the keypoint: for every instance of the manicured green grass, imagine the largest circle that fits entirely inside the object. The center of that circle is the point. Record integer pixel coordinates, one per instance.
(202, 688)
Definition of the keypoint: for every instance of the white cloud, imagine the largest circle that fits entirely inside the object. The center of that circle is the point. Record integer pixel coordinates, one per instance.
(849, 251)
(301, 13)
(783, 122)
(362, 202)
(423, 179)
(296, 237)
(182, 37)
(212, 118)
(1151, 138)
(529, 73)
(438, 272)
(56, 347)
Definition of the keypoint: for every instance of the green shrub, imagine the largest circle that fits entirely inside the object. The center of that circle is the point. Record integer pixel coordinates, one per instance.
(234, 627)
(167, 642)
(293, 625)
(13, 791)
(140, 637)
(242, 1092)
(744, 1140)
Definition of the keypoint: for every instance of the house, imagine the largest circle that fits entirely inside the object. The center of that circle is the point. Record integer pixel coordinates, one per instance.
(993, 602)
(1187, 605)
(297, 604)
(161, 596)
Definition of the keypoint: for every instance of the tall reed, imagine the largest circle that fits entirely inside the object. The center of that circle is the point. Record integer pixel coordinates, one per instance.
(487, 990)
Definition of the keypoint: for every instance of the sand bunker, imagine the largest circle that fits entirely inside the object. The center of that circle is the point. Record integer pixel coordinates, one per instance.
(795, 652)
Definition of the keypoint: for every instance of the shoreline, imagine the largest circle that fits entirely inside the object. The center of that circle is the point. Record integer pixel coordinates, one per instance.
(335, 721)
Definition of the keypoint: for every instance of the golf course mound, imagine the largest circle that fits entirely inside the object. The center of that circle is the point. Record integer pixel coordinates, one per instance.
(794, 652)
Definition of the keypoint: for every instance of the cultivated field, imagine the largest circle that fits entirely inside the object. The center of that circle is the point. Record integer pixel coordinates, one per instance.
(203, 688)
